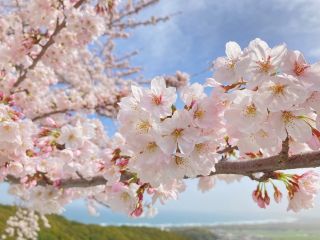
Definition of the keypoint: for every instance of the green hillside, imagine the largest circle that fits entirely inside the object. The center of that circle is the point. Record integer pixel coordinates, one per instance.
(63, 229)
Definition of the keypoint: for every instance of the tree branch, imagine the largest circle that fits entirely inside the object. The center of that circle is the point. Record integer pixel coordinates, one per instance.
(59, 27)
(48, 114)
(245, 168)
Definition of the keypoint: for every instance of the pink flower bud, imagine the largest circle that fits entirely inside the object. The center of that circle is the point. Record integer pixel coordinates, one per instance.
(277, 195)
(137, 212)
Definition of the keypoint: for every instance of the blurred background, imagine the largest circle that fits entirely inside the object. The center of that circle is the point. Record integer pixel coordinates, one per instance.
(189, 42)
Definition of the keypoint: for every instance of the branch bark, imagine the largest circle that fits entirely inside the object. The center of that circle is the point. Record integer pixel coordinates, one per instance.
(245, 168)
(48, 114)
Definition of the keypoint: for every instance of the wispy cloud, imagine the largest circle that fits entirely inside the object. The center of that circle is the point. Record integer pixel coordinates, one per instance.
(194, 38)
(189, 41)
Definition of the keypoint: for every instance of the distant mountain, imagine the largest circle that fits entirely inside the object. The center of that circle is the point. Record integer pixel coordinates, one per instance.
(63, 229)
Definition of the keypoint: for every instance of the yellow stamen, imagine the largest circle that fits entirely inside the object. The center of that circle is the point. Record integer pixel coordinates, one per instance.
(251, 110)
(177, 132)
(179, 160)
(151, 147)
(198, 114)
(265, 66)
(287, 117)
(278, 89)
(143, 126)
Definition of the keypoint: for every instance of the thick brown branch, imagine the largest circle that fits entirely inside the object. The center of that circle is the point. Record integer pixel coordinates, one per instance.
(269, 164)
(245, 168)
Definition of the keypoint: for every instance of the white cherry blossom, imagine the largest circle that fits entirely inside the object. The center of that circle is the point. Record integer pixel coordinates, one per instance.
(279, 93)
(177, 133)
(159, 99)
(229, 69)
(264, 61)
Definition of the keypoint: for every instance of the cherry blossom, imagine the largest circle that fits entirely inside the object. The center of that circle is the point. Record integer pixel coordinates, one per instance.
(280, 93)
(60, 77)
(159, 99)
(308, 187)
(296, 65)
(178, 134)
(229, 69)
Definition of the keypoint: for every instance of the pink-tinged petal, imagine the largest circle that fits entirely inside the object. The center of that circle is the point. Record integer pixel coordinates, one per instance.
(185, 146)
(233, 50)
(167, 144)
(299, 130)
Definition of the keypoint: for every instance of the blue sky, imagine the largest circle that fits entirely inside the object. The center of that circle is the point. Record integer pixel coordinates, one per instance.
(192, 39)
(189, 42)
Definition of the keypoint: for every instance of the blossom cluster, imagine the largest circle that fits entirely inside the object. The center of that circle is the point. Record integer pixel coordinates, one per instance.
(273, 93)
(24, 225)
(58, 66)
(168, 144)
(261, 98)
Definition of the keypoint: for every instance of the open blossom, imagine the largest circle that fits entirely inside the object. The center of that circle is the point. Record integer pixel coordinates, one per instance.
(169, 191)
(243, 112)
(264, 61)
(187, 166)
(150, 162)
(131, 102)
(207, 114)
(10, 132)
(123, 198)
(291, 122)
(192, 94)
(229, 69)
(303, 198)
(281, 92)
(137, 124)
(296, 65)
(177, 133)
(159, 99)
(263, 139)
(71, 136)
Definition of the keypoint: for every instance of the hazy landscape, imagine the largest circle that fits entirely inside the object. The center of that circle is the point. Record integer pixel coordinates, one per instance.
(71, 230)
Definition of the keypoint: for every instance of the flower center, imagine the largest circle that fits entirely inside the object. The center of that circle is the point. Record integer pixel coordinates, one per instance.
(201, 148)
(278, 89)
(143, 126)
(287, 117)
(71, 137)
(177, 132)
(263, 133)
(157, 100)
(151, 147)
(251, 110)
(199, 113)
(179, 160)
(265, 66)
(299, 68)
(231, 64)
